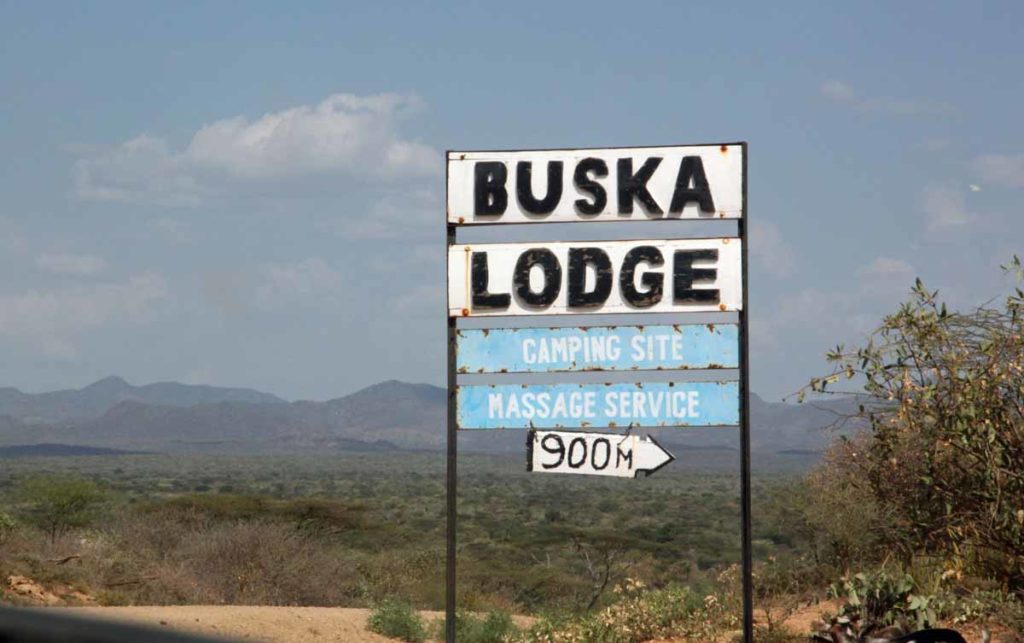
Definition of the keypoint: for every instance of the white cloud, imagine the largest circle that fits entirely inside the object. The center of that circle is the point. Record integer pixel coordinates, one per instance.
(396, 214)
(822, 318)
(140, 170)
(425, 300)
(227, 289)
(945, 207)
(12, 239)
(58, 349)
(1001, 169)
(309, 279)
(842, 93)
(885, 276)
(769, 251)
(51, 318)
(886, 268)
(837, 90)
(418, 260)
(71, 265)
(343, 137)
(199, 376)
(173, 230)
(813, 317)
(936, 144)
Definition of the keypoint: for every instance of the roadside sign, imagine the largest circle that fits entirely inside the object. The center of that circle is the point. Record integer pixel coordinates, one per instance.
(510, 368)
(679, 275)
(598, 348)
(603, 454)
(641, 404)
(626, 184)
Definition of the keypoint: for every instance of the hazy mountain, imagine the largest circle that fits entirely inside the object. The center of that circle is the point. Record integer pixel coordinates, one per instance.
(96, 399)
(386, 416)
(776, 427)
(56, 450)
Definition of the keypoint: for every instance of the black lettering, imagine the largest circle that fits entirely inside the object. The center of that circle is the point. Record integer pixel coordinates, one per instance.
(572, 449)
(558, 449)
(552, 277)
(479, 277)
(685, 275)
(601, 442)
(524, 187)
(489, 194)
(652, 281)
(581, 178)
(623, 456)
(691, 169)
(579, 259)
(634, 186)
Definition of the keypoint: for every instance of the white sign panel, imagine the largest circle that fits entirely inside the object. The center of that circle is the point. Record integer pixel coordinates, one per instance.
(681, 275)
(618, 184)
(601, 454)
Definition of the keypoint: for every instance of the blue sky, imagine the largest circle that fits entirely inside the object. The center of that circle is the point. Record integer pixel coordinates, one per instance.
(251, 194)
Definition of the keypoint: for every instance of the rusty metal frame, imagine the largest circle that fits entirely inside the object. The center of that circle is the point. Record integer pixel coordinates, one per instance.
(451, 495)
(451, 484)
(745, 507)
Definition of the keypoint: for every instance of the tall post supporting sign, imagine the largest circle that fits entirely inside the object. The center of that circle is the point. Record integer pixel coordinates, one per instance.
(673, 370)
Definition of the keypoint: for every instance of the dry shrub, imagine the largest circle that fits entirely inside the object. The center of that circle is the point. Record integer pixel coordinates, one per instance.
(412, 576)
(266, 564)
(945, 405)
(845, 519)
(673, 612)
(253, 562)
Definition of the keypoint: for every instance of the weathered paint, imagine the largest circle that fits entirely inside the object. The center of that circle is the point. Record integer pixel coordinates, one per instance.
(610, 348)
(599, 454)
(501, 278)
(722, 166)
(552, 406)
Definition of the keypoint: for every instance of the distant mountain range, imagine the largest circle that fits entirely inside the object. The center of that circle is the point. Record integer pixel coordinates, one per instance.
(389, 416)
(98, 398)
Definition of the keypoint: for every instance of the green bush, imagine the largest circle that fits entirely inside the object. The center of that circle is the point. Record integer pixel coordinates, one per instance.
(56, 504)
(645, 615)
(314, 515)
(777, 635)
(398, 620)
(7, 526)
(943, 406)
(493, 627)
(985, 605)
(885, 599)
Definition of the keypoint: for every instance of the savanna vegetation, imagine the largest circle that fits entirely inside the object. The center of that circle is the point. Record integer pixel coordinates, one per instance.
(915, 521)
(361, 529)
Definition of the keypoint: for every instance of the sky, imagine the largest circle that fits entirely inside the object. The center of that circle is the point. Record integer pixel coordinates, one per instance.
(251, 194)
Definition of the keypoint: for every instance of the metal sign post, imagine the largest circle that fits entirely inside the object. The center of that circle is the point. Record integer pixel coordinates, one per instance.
(746, 520)
(673, 373)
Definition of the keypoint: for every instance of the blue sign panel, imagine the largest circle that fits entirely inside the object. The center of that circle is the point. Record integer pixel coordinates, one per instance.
(551, 406)
(612, 348)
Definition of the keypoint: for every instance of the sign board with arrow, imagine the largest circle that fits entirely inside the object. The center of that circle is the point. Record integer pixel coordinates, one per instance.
(671, 332)
(602, 454)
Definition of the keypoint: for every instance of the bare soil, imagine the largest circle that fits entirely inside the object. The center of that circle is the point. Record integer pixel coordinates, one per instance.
(257, 623)
(252, 623)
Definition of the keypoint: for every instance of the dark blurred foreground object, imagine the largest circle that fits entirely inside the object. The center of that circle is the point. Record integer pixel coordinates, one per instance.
(845, 630)
(50, 626)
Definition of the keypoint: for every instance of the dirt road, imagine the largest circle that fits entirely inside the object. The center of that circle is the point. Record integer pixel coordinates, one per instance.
(278, 624)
